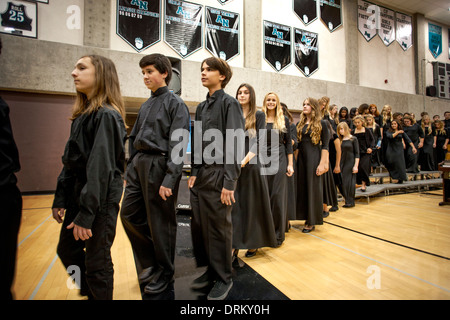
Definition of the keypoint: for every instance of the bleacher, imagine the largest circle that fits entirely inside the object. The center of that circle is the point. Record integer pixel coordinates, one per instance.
(382, 185)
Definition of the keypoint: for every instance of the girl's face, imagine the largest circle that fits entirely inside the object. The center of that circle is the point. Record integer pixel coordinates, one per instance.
(407, 122)
(343, 113)
(372, 109)
(394, 125)
(334, 110)
(243, 96)
(342, 131)
(271, 102)
(307, 107)
(358, 123)
(84, 76)
(369, 121)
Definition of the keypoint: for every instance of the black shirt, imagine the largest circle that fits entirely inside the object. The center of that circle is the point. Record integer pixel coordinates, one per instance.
(9, 155)
(219, 111)
(158, 118)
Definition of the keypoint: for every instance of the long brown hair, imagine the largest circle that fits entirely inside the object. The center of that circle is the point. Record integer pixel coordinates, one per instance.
(314, 125)
(106, 92)
(250, 119)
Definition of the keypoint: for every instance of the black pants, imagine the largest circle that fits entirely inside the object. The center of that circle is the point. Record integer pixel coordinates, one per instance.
(212, 231)
(149, 221)
(92, 258)
(11, 213)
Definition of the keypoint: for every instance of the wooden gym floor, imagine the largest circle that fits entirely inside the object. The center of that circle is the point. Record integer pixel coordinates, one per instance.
(394, 248)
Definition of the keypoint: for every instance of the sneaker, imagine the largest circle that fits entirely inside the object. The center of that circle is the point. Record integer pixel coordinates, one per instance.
(202, 281)
(220, 290)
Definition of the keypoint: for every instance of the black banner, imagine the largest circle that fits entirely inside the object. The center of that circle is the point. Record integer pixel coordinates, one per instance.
(138, 22)
(183, 26)
(306, 10)
(306, 51)
(224, 1)
(222, 33)
(277, 45)
(330, 14)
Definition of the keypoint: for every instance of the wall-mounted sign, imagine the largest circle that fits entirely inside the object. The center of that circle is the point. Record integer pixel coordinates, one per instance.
(306, 50)
(277, 45)
(404, 34)
(330, 14)
(18, 18)
(138, 22)
(306, 10)
(222, 33)
(183, 29)
(435, 39)
(386, 30)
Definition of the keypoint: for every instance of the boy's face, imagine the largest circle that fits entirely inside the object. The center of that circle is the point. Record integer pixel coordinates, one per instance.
(153, 79)
(210, 77)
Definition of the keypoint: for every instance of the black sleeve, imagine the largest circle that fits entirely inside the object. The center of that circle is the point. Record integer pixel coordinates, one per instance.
(355, 147)
(294, 137)
(196, 146)
(9, 155)
(180, 121)
(102, 167)
(287, 137)
(325, 135)
(406, 138)
(370, 139)
(235, 121)
(260, 125)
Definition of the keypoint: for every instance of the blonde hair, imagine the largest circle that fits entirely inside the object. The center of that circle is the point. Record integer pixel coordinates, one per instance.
(361, 118)
(279, 123)
(374, 124)
(343, 125)
(385, 115)
(326, 102)
(430, 131)
(106, 91)
(440, 123)
(315, 126)
(336, 115)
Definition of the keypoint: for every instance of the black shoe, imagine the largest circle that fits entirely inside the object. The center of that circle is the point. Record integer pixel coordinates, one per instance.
(159, 286)
(220, 290)
(326, 214)
(250, 253)
(202, 282)
(308, 230)
(149, 274)
(334, 208)
(348, 205)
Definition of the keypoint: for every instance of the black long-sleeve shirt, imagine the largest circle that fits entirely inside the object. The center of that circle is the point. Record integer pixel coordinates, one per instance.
(221, 112)
(157, 120)
(94, 161)
(9, 155)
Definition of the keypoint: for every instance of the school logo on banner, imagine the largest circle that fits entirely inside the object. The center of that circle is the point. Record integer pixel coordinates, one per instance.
(435, 39)
(306, 10)
(404, 30)
(183, 29)
(138, 22)
(222, 33)
(306, 46)
(277, 45)
(330, 14)
(367, 19)
(386, 30)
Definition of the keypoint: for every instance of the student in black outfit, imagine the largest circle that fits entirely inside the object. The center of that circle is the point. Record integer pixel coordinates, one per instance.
(446, 119)
(213, 179)
(10, 199)
(395, 159)
(333, 177)
(373, 110)
(440, 146)
(415, 133)
(277, 125)
(90, 185)
(375, 160)
(366, 143)
(344, 116)
(152, 178)
(426, 159)
(349, 163)
(252, 216)
(312, 163)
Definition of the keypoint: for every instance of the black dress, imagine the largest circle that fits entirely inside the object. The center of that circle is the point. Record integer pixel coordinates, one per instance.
(375, 158)
(292, 180)
(278, 182)
(426, 158)
(414, 133)
(252, 216)
(349, 152)
(439, 152)
(329, 186)
(395, 159)
(365, 141)
(309, 185)
(337, 177)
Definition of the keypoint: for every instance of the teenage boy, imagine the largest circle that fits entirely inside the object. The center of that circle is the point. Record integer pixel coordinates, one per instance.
(212, 183)
(152, 178)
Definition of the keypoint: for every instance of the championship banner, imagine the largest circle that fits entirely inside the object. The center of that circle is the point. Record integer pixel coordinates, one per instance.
(404, 30)
(330, 14)
(367, 19)
(183, 29)
(18, 18)
(138, 22)
(277, 45)
(386, 30)
(222, 33)
(306, 46)
(306, 10)
(435, 39)
(224, 1)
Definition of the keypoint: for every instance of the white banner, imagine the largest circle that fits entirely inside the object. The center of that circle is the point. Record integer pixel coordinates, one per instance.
(404, 30)
(367, 19)
(387, 26)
